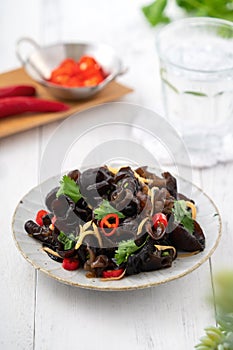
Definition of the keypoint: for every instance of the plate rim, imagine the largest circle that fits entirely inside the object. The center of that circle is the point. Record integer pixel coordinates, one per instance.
(122, 288)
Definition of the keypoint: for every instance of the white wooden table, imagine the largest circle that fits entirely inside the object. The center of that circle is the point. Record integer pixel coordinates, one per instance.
(40, 313)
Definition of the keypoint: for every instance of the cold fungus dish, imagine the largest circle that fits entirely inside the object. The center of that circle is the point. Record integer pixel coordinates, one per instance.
(117, 222)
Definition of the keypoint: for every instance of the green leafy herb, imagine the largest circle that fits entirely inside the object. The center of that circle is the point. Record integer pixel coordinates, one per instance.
(183, 216)
(155, 12)
(68, 241)
(69, 188)
(125, 249)
(104, 209)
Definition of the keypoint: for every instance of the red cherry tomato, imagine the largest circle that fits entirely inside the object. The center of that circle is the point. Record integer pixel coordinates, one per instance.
(112, 273)
(39, 216)
(159, 219)
(70, 264)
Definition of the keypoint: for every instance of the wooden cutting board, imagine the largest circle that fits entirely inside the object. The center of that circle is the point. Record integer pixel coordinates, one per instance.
(14, 124)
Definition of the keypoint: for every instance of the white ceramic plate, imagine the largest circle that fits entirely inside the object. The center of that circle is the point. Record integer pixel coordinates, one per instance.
(208, 217)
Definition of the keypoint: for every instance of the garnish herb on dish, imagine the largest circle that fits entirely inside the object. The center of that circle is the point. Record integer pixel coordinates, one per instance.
(116, 222)
(183, 216)
(69, 188)
(125, 249)
(104, 209)
(68, 241)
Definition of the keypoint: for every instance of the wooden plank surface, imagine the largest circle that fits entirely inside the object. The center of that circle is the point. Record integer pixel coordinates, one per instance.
(14, 124)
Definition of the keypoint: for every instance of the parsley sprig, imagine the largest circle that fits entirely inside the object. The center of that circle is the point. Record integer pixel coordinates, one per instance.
(104, 209)
(68, 241)
(125, 249)
(183, 216)
(69, 188)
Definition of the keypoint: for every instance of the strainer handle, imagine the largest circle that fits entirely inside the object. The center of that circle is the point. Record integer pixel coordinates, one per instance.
(19, 48)
(38, 63)
(122, 71)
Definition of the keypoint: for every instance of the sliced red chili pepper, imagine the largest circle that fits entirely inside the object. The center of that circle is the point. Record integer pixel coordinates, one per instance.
(94, 80)
(88, 64)
(68, 63)
(160, 219)
(70, 264)
(106, 222)
(17, 105)
(85, 72)
(17, 90)
(112, 273)
(75, 81)
(59, 78)
(39, 216)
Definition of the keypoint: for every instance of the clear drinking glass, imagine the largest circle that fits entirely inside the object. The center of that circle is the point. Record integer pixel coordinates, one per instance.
(196, 66)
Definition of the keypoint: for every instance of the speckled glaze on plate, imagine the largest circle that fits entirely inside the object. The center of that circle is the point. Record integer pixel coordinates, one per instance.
(208, 216)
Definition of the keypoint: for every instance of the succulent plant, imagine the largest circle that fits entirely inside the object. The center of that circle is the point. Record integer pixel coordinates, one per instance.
(221, 336)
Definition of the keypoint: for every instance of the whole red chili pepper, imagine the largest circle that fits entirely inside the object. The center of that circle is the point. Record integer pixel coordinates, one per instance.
(17, 90)
(105, 223)
(17, 105)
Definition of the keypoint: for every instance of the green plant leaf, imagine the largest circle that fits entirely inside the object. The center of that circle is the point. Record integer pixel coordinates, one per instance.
(221, 337)
(155, 12)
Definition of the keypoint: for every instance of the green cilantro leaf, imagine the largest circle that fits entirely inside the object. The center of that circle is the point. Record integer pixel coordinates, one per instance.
(183, 216)
(104, 209)
(68, 241)
(69, 188)
(125, 249)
